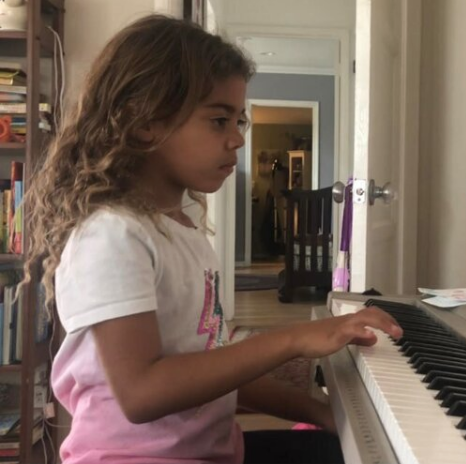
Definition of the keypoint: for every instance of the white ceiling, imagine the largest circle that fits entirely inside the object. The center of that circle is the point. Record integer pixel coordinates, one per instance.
(280, 115)
(300, 55)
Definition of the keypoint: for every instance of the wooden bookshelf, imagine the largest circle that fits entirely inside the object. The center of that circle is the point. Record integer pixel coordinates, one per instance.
(32, 45)
(12, 146)
(18, 41)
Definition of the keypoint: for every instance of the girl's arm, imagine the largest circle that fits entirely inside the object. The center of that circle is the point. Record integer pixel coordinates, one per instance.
(270, 396)
(149, 386)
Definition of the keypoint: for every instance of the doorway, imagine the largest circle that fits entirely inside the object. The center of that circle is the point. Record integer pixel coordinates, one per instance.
(281, 152)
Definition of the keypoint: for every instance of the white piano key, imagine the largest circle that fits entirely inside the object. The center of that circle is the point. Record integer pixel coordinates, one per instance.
(418, 427)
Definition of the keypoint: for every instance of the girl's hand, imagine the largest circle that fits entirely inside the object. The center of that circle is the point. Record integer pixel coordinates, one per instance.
(324, 337)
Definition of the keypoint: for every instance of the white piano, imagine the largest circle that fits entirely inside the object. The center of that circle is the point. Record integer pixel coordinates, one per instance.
(385, 400)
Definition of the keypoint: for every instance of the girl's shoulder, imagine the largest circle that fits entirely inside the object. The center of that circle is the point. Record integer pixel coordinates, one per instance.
(113, 222)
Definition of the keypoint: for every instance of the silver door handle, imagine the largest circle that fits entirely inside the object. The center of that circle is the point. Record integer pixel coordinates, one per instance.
(338, 192)
(386, 193)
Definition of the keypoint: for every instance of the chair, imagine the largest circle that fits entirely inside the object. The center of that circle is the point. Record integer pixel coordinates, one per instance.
(309, 241)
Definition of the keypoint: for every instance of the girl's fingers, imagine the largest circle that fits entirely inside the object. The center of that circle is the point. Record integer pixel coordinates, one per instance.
(378, 319)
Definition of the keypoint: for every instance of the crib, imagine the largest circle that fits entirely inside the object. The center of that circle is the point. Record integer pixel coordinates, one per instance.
(309, 241)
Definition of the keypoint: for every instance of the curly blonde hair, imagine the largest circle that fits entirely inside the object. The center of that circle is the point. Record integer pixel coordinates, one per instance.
(156, 69)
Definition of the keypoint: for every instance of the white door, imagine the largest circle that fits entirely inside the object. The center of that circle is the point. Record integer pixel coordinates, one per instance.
(386, 133)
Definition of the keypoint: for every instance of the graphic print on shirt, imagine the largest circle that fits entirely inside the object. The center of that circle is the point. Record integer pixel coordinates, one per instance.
(212, 318)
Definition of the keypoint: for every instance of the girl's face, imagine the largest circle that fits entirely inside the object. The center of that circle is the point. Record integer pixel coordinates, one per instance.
(201, 154)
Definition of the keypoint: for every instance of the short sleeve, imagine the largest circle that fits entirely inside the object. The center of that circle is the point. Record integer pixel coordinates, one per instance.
(108, 270)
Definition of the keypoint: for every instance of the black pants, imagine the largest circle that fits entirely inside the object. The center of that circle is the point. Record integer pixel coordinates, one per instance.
(292, 447)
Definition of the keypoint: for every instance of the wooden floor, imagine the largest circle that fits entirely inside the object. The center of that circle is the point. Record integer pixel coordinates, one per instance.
(262, 308)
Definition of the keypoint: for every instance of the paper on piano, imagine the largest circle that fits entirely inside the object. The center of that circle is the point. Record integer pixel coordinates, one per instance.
(442, 302)
(446, 298)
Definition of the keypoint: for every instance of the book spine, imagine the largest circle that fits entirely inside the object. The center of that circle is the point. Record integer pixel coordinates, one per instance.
(18, 234)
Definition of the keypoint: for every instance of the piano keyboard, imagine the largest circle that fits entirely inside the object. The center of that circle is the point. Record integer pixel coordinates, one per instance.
(417, 387)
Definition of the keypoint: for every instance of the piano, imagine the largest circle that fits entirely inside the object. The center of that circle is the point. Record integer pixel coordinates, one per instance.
(400, 402)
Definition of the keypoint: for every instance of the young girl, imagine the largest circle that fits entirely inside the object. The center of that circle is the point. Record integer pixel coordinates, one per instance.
(145, 369)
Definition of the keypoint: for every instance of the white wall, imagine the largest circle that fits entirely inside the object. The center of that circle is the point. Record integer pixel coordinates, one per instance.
(442, 195)
(89, 24)
(297, 13)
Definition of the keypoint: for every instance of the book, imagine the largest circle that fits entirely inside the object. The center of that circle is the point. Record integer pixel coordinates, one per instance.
(19, 328)
(9, 452)
(18, 218)
(6, 215)
(8, 421)
(12, 79)
(17, 170)
(20, 108)
(8, 310)
(11, 97)
(13, 89)
(9, 442)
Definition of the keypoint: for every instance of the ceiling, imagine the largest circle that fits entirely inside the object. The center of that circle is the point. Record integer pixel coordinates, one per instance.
(300, 55)
(281, 115)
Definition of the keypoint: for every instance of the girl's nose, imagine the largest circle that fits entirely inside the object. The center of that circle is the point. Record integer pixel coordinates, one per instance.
(236, 140)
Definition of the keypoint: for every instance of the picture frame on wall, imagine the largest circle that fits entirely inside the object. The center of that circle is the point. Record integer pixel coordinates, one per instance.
(195, 11)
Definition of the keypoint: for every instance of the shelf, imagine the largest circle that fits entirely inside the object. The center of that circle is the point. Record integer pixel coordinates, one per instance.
(12, 146)
(13, 35)
(15, 42)
(10, 368)
(6, 258)
(48, 5)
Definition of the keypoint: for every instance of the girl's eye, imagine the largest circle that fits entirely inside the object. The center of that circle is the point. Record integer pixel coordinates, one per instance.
(242, 124)
(220, 122)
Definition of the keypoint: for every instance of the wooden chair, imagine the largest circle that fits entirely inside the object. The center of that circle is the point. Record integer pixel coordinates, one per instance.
(309, 241)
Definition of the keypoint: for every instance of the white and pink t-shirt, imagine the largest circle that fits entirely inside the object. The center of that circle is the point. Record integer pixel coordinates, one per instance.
(117, 264)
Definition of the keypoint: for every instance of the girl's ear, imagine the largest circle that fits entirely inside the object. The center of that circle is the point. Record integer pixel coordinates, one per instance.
(145, 134)
(149, 132)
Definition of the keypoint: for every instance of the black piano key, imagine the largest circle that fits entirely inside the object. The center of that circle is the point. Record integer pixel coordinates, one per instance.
(427, 367)
(462, 424)
(443, 381)
(458, 409)
(408, 344)
(434, 374)
(419, 358)
(432, 350)
(437, 341)
(452, 398)
(448, 390)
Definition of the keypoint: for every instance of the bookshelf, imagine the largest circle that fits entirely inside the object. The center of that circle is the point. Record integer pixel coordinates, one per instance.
(300, 166)
(34, 47)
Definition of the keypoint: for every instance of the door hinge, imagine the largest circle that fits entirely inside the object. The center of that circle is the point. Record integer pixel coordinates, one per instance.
(354, 66)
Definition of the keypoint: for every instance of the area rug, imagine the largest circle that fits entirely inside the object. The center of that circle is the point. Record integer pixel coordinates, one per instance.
(248, 282)
(296, 373)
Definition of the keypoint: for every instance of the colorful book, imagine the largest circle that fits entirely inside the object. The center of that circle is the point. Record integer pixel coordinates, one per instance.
(17, 169)
(11, 97)
(6, 223)
(20, 108)
(22, 89)
(18, 218)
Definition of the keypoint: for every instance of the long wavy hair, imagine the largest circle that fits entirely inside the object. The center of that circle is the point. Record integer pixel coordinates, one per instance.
(156, 69)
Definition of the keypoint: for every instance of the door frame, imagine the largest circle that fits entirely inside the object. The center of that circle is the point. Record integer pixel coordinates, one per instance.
(224, 211)
(314, 105)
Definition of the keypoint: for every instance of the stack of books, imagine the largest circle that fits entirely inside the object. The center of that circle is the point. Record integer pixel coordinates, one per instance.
(10, 427)
(13, 92)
